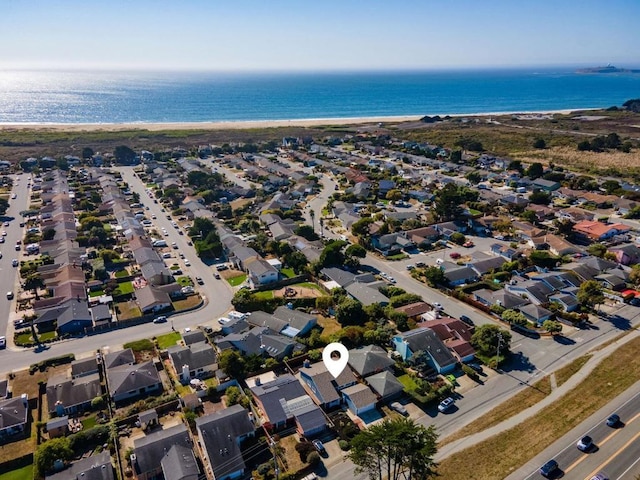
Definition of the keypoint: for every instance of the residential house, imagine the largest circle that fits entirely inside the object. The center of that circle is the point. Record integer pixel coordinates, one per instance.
(120, 357)
(559, 246)
(368, 360)
(273, 399)
(391, 243)
(545, 185)
(260, 341)
(70, 396)
(598, 231)
(85, 366)
(458, 275)
(367, 293)
(58, 427)
(261, 272)
(156, 273)
(193, 361)
(151, 458)
(425, 340)
(322, 386)
(221, 435)
(131, 381)
(506, 252)
(299, 323)
(455, 334)
(422, 237)
(415, 310)
(71, 316)
(359, 399)
(385, 385)
(569, 303)
(14, 415)
(626, 254)
(152, 300)
(487, 265)
(575, 214)
(93, 467)
(535, 313)
(360, 190)
(535, 291)
(194, 336)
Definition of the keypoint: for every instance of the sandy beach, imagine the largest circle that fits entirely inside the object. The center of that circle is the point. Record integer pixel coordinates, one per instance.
(244, 125)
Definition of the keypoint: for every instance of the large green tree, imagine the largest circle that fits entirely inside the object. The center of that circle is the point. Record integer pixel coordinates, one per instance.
(486, 338)
(511, 316)
(591, 294)
(50, 451)
(448, 204)
(395, 449)
(349, 312)
(232, 363)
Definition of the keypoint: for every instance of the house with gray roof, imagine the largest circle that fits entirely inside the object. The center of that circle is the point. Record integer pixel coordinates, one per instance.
(149, 454)
(69, 396)
(535, 313)
(85, 366)
(260, 341)
(536, 292)
(486, 265)
(368, 360)
(194, 336)
(260, 272)
(322, 386)
(310, 419)
(298, 323)
(499, 297)
(367, 293)
(14, 415)
(270, 397)
(458, 275)
(385, 385)
(221, 435)
(193, 361)
(156, 273)
(131, 381)
(71, 316)
(359, 399)
(426, 341)
(120, 357)
(94, 467)
(152, 300)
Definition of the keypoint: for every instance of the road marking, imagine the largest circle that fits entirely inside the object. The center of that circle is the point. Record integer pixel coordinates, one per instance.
(627, 470)
(605, 440)
(635, 437)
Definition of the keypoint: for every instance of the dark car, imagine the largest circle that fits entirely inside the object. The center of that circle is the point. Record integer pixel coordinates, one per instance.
(635, 301)
(467, 320)
(549, 468)
(613, 420)
(199, 281)
(585, 443)
(319, 447)
(475, 367)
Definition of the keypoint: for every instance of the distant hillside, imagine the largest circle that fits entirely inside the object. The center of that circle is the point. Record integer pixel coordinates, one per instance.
(608, 69)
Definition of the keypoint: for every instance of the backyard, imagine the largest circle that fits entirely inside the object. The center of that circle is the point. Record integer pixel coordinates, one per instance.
(24, 473)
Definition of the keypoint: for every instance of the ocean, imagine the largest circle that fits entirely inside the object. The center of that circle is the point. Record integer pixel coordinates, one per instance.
(116, 97)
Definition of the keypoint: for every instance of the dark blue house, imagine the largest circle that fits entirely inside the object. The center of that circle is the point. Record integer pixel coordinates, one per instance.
(71, 316)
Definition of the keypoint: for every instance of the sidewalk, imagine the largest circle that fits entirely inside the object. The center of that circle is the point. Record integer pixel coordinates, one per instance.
(576, 379)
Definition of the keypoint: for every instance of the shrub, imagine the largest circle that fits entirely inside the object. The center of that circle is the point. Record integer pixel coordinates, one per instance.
(305, 449)
(344, 445)
(313, 458)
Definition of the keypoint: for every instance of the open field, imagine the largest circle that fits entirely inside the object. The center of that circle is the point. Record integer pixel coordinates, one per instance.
(24, 473)
(529, 438)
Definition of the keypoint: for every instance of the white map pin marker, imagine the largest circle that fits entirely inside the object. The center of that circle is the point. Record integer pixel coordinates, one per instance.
(335, 365)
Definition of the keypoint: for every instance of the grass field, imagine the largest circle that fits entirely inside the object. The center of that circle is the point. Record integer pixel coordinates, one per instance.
(518, 445)
(329, 325)
(24, 473)
(288, 272)
(124, 288)
(168, 340)
(237, 280)
(266, 295)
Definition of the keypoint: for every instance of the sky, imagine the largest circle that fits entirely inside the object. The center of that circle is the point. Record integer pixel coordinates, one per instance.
(285, 35)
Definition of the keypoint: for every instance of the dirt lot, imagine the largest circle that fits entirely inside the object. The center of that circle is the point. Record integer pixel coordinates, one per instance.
(25, 383)
(300, 292)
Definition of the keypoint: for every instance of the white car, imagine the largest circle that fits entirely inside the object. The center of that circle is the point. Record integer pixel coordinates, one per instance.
(438, 306)
(3, 342)
(13, 196)
(187, 263)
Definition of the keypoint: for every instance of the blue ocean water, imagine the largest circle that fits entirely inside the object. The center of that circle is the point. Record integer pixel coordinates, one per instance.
(103, 97)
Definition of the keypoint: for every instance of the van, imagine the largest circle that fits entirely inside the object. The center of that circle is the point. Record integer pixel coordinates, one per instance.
(236, 315)
(549, 468)
(159, 243)
(166, 255)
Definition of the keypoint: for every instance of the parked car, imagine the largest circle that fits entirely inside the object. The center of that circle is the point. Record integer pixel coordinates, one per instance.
(476, 367)
(15, 262)
(410, 267)
(468, 244)
(549, 468)
(467, 320)
(319, 447)
(420, 264)
(455, 255)
(187, 263)
(446, 405)
(398, 407)
(437, 306)
(585, 443)
(9, 295)
(160, 319)
(199, 281)
(221, 267)
(599, 476)
(3, 342)
(613, 420)
(217, 276)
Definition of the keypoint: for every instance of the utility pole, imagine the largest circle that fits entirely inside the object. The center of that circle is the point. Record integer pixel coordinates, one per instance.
(498, 349)
(275, 458)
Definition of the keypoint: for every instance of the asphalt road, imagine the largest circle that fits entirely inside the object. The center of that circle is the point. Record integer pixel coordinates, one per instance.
(616, 452)
(9, 278)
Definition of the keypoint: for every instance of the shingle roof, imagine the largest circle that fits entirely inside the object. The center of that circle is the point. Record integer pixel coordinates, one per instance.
(269, 394)
(13, 412)
(84, 366)
(198, 355)
(132, 377)
(70, 392)
(121, 357)
(194, 336)
(369, 359)
(95, 467)
(425, 339)
(151, 449)
(325, 386)
(385, 384)
(360, 395)
(179, 464)
(219, 433)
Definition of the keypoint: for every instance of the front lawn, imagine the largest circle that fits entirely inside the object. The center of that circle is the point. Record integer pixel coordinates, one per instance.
(24, 473)
(95, 293)
(184, 281)
(168, 340)
(399, 256)
(189, 302)
(47, 336)
(140, 345)
(237, 281)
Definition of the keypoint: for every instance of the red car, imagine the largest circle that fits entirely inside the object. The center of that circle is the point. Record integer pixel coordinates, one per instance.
(455, 255)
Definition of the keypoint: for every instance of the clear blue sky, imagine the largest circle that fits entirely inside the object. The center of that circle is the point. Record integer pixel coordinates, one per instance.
(316, 35)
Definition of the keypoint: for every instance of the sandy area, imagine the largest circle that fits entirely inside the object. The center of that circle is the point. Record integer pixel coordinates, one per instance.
(313, 122)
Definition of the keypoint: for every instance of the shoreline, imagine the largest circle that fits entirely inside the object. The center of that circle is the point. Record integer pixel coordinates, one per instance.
(251, 124)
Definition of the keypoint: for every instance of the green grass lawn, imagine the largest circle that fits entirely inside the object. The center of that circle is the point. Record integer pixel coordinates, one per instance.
(47, 336)
(89, 422)
(96, 293)
(124, 288)
(122, 273)
(399, 256)
(288, 272)
(140, 345)
(24, 473)
(236, 281)
(184, 281)
(168, 340)
(22, 338)
(266, 295)
(307, 285)
(408, 381)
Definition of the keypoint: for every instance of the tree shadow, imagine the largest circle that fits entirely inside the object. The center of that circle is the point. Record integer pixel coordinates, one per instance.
(518, 362)
(562, 340)
(619, 322)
